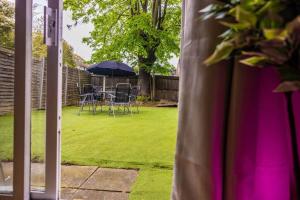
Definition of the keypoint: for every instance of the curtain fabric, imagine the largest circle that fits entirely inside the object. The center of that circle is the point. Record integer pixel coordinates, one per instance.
(233, 137)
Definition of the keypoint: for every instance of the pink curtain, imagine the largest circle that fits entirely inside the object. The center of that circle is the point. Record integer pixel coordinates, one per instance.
(234, 137)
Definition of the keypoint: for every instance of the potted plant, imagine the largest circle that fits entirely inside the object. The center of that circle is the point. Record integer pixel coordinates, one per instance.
(263, 33)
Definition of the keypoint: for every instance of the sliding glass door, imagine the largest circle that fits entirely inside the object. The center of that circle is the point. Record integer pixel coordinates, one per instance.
(32, 95)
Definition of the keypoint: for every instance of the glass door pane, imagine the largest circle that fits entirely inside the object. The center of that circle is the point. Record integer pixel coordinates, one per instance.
(38, 97)
(7, 27)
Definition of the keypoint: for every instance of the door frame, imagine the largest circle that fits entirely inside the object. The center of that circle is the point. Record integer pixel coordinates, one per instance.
(22, 108)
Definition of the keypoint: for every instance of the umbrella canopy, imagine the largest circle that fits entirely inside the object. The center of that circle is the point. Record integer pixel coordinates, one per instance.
(111, 68)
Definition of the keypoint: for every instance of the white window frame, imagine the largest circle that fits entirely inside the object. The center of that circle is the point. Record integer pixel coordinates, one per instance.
(22, 109)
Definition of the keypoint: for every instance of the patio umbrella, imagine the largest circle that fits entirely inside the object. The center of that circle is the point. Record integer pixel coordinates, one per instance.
(111, 68)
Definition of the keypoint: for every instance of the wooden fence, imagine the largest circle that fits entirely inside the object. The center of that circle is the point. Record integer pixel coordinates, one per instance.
(166, 87)
(71, 79)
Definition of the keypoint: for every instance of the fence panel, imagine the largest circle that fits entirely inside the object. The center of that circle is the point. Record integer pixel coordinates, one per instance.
(166, 87)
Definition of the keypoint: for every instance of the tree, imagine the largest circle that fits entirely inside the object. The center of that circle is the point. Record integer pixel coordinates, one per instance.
(7, 18)
(68, 55)
(143, 33)
(39, 50)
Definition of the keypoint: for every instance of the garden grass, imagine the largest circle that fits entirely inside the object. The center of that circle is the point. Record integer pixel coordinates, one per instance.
(144, 141)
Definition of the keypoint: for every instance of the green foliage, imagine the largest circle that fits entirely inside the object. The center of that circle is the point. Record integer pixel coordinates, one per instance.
(68, 55)
(222, 52)
(143, 99)
(143, 33)
(262, 32)
(7, 14)
(39, 49)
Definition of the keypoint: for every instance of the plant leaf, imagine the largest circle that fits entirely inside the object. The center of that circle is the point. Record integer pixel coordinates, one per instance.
(254, 61)
(279, 34)
(210, 8)
(288, 86)
(253, 53)
(221, 52)
(243, 16)
(236, 26)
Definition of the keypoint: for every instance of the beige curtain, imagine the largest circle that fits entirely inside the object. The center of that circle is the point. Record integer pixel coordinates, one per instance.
(201, 110)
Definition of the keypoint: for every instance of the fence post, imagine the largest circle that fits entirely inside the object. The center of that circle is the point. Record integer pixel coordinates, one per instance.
(153, 88)
(79, 84)
(66, 85)
(41, 84)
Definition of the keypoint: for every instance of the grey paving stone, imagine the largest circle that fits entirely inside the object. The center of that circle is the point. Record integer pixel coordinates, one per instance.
(74, 176)
(99, 195)
(111, 179)
(96, 184)
(67, 193)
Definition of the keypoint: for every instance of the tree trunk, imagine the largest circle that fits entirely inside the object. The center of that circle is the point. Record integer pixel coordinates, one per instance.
(294, 142)
(144, 82)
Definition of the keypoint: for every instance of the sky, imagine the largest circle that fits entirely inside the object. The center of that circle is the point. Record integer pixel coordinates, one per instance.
(75, 35)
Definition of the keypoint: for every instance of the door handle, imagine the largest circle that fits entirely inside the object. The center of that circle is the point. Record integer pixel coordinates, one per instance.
(50, 26)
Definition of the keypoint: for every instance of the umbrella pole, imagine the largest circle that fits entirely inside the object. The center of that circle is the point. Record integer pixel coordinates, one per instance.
(104, 86)
(113, 81)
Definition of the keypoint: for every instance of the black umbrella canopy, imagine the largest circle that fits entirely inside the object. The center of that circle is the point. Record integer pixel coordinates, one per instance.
(111, 68)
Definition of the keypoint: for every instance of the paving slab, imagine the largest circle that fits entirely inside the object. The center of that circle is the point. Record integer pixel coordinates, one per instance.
(67, 193)
(111, 179)
(38, 175)
(74, 176)
(37, 171)
(99, 195)
(8, 174)
(81, 182)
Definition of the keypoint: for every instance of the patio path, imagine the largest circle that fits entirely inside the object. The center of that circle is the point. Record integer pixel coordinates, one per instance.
(85, 182)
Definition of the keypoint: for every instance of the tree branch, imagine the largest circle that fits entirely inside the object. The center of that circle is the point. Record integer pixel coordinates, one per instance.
(112, 25)
(164, 11)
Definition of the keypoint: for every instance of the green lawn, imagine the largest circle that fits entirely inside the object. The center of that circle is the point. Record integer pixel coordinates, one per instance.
(145, 141)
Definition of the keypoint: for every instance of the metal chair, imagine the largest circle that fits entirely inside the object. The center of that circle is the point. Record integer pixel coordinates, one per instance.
(121, 98)
(87, 98)
(99, 97)
(135, 91)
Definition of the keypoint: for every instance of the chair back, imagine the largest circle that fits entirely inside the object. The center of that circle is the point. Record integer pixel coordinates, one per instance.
(122, 93)
(88, 88)
(135, 91)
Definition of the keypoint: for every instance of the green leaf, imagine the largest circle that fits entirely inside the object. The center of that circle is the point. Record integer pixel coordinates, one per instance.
(209, 8)
(243, 16)
(288, 86)
(270, 6)
(221, 52)
(227, 34)
(254, 61)
(279, 34)
(236, 26)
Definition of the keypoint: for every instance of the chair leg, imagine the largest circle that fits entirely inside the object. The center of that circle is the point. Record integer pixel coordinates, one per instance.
(94, 106)
(113, 111)
(82, 105)
(130, 108)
